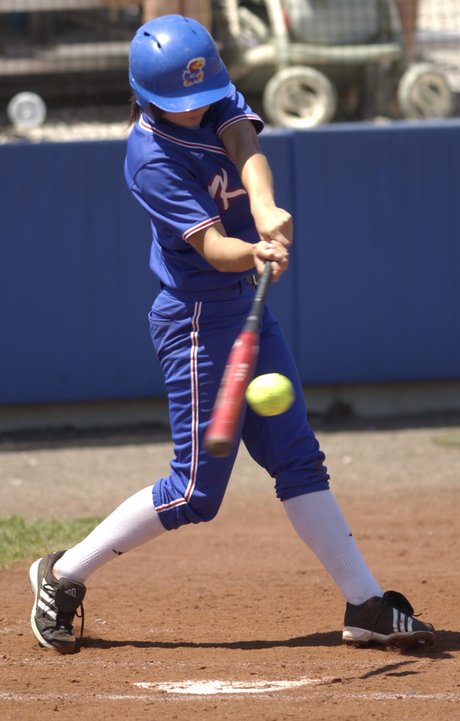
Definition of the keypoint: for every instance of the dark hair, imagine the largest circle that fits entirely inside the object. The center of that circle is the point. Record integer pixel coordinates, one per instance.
(135, 111)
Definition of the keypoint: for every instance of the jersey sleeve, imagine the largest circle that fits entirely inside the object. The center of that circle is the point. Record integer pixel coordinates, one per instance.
(178, 204)
(232, 109)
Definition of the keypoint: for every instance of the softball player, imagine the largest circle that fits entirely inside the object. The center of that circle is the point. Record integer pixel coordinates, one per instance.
(194, 163)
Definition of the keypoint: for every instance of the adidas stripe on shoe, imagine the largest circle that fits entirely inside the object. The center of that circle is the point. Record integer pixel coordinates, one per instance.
(55, 606)
(388, 621)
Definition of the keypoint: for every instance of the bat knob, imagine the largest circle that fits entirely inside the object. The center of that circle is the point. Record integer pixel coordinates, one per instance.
(218, 447)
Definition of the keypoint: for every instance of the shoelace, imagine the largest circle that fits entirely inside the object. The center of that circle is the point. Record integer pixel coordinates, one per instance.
(396, 600)
(400, 602)
(64, 619)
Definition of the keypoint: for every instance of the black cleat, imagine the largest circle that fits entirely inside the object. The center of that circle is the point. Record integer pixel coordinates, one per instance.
(388, 621)
(56, 604)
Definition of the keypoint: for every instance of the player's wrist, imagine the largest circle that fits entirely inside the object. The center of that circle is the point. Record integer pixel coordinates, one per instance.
(261, 205)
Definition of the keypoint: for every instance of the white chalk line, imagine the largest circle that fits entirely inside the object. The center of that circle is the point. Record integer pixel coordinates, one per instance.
(264, 689)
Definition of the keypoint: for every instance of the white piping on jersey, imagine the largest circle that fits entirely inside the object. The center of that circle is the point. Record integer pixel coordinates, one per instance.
(201, 226)
(185, 143)
(236, 119)
(194, 411)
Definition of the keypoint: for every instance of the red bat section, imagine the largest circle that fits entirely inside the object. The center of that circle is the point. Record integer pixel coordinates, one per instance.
(238, 372)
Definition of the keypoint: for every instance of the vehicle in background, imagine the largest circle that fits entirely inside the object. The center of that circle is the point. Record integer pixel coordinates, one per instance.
(307, 63)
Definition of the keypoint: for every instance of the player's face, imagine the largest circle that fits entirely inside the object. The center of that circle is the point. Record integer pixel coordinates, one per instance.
(187, 119)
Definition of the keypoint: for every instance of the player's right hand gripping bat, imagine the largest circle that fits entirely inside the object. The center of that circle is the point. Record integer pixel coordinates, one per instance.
(241, 361)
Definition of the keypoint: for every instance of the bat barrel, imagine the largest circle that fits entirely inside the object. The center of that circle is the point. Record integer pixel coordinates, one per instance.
(226, 415)
(230, 399)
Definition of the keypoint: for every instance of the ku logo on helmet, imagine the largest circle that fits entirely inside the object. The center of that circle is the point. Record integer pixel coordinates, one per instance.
(193, 73)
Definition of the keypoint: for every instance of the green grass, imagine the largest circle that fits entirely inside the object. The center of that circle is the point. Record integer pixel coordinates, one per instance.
(26, 540)
(448, 439)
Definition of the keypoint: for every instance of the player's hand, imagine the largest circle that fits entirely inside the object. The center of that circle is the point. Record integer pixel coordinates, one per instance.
(273, 224)
(273, 251)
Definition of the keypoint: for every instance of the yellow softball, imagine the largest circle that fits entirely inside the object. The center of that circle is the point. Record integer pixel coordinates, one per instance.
(270, 394)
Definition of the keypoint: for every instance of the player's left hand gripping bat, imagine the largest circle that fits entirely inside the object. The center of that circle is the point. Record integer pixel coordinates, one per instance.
(241, 361)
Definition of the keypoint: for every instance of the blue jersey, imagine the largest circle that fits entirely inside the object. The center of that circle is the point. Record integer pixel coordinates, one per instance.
(186, 181)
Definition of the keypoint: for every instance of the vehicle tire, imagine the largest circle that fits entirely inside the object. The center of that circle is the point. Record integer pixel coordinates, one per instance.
(253, 30)
(299, 97)
(424, 92)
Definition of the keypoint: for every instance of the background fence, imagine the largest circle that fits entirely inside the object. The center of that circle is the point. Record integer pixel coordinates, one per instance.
(372, 295)
(63, 49)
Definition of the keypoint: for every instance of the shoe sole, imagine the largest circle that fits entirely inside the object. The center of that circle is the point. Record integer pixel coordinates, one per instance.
(35, 584)
(361, 636)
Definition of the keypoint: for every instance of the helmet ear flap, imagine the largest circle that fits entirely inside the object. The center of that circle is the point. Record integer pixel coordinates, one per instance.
(175, 65)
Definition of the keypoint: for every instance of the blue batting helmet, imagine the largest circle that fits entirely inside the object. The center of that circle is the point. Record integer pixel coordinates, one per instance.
(174, 63)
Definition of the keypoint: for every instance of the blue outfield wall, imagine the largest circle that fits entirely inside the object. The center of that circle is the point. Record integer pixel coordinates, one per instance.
(372, 293)
(378, 271)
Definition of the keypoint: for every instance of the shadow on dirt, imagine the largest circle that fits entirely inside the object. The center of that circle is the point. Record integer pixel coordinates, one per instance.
(446, 641)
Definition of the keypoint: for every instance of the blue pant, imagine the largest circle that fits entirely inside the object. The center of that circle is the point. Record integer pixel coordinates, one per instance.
(192, 340)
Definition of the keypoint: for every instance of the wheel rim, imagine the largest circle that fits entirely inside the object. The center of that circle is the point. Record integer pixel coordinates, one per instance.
(426, 95)
(300, 100)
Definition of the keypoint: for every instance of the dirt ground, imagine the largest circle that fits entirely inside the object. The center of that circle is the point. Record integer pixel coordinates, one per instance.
(236, 619)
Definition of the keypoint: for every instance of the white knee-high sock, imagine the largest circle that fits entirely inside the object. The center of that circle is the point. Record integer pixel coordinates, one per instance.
(320, 523)
(133, 523)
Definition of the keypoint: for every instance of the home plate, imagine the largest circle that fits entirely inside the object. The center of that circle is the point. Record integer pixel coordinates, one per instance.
(209, 688)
